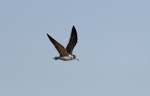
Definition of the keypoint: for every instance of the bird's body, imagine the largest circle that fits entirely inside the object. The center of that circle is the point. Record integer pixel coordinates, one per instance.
(65, 53)
(64, 58)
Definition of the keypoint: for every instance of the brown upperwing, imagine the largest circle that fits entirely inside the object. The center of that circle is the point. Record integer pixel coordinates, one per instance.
(62, 51)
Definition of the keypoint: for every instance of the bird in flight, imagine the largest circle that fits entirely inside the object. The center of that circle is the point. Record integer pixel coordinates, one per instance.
(65, 53)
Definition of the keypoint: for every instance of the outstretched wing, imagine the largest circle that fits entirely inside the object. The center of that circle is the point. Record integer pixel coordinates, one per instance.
(72, 41)
(61, 50)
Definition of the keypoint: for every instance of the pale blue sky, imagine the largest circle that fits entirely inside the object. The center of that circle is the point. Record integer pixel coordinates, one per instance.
(113, 48)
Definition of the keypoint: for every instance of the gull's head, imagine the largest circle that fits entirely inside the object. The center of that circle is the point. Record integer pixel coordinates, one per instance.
(74, 57)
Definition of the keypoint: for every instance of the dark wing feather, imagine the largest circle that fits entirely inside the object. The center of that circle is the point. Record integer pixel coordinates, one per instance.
(62, 51)
(72, 41)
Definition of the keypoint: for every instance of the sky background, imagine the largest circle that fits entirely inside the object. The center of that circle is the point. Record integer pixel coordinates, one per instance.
(113, 48)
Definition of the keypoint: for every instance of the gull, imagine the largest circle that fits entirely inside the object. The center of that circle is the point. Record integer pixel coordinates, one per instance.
(66, 53)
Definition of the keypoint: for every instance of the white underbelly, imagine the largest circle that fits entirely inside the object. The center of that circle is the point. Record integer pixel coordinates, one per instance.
(67, 58)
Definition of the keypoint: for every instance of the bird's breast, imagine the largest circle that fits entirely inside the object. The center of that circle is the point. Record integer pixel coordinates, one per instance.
(67, 58)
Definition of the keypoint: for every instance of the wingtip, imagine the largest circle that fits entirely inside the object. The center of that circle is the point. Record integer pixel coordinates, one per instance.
(49, 36)
(73, 26)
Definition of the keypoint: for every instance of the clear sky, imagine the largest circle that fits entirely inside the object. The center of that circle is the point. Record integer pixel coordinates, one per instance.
(113, 48)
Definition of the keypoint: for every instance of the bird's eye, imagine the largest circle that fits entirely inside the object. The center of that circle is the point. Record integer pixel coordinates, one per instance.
(74, 56)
